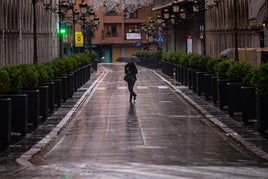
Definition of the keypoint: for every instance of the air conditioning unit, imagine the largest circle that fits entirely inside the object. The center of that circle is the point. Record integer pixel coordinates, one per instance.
(126, 15)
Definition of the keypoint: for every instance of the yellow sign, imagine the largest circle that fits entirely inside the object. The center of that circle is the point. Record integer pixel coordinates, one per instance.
(79, 40)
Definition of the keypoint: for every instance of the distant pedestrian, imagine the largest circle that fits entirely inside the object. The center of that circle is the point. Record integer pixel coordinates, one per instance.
(130, 77)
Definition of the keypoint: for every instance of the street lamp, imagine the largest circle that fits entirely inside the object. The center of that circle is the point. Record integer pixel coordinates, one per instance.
(88, 27)
(35, 57)
(235, 31)
(166, 16)
(61, 9)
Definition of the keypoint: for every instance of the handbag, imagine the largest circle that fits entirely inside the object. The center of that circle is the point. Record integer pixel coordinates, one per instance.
(129, 77)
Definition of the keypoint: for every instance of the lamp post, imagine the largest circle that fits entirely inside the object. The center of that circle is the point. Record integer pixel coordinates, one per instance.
(166, 16)
(35, 57)
(63, 7)
(150, 29)
(235, 30)
(88, 27)
(75, 18)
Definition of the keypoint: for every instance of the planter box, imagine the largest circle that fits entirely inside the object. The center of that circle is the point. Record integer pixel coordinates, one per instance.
(214, 90)
(64, 88)
(58, 91)
(200, 82)
(190, 78)
(208, 85)
(75, 80)
(234, 98)
(51, 96)
(222, 93)
(43, 96)
(248, 103)
(33, 106)
(70, 83)
(5, 121)
(178, 77)
(88, 72)
(262, 112)
(79, 77)
(193, 75)
(19, 112)
(185, 75)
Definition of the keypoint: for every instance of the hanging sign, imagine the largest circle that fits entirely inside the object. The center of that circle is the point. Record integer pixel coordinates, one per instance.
(79, 40)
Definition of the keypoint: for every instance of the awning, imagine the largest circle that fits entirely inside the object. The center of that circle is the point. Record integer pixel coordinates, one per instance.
(162, 7)
(170, 4)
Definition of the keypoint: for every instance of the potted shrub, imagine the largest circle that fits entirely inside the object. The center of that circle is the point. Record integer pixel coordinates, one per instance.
(236, 73)
(19, 105)
(29, 83)
(45, 78)
(210, 89)
(61, 71)
(5, 106)
(202, 70)
(260, 81)
(156, 56)
(184, 63)
(221, 71)
(193, 64)
(248, 97)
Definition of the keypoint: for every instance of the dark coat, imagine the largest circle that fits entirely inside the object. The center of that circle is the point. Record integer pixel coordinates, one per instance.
(131, 69)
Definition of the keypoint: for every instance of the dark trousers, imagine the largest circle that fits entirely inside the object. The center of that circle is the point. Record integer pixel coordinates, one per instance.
(130, 88)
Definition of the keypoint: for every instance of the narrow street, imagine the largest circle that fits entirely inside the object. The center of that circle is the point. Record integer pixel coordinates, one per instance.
(158, 136)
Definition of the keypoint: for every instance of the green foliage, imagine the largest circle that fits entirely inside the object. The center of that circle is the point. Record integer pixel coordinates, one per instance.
(193, 60)
(247, 80)
(202, 63)
(44, 73)
(155, 55)
(4, 81)
(29, 76)
(83, 58)
(92, 55)
(60, 67)
(211, 64)
(238, 71)
(260, 78)
(166, 56)
(184, 59)
(140, 54)
(222, 68)
(15, 78)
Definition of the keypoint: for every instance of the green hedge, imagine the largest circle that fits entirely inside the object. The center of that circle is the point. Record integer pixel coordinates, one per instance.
(224, 68)
(14, 78)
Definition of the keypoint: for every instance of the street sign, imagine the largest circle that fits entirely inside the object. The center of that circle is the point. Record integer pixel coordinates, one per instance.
(160, 39)
(138, 44)
(79, 40)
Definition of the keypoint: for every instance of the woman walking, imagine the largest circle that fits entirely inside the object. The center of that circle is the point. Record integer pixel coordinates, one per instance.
(131, 71)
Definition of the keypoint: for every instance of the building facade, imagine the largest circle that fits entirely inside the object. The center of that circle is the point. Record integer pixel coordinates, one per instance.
(16, 32)
(120, 32)
(218, 29)
(210, 30)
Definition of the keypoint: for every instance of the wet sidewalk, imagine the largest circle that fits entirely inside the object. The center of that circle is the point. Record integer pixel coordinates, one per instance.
(169, 132)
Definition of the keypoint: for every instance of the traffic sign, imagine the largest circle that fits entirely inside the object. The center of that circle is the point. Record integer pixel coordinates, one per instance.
(160, 39)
